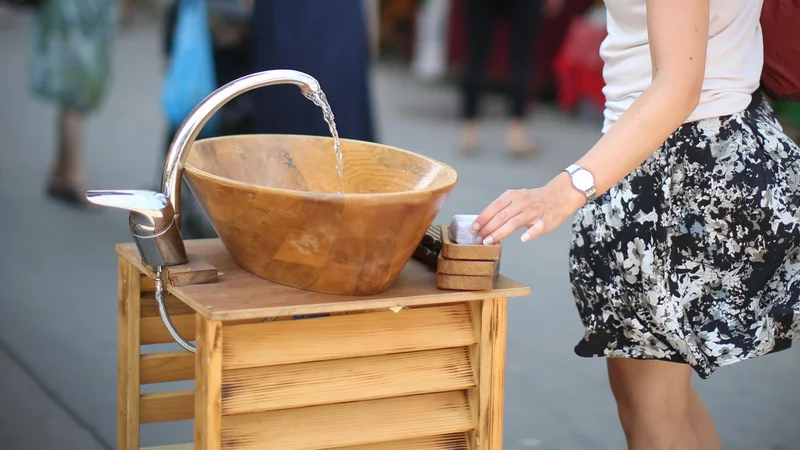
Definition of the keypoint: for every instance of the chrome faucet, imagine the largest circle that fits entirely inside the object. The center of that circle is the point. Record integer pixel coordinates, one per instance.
(155, 217)
(184, 138)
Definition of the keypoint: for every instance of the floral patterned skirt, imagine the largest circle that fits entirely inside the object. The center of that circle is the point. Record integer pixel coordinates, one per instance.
(695, 256)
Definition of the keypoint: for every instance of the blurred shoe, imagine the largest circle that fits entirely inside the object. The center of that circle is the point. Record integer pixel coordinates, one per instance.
(70, 195)
(469, 139)
(517, 141)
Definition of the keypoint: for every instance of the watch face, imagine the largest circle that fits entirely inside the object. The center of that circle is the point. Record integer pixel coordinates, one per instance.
(583, 180)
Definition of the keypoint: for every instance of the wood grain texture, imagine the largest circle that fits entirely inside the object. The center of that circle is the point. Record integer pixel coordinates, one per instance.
(128, 357)
(175, 306)
(337, 337)
(153, 330)
(464, 282)
(166, 367)
(196, 271)
(166, 406)
(466, 267)
(241, 295)
(476, 310)
(350, 424)
(208, 385)
(272, 200)
(471, 252)
(491, 377)
(346, 380)
(171, 447)
(456, 441)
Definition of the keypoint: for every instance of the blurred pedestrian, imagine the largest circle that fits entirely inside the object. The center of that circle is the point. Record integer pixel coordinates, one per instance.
(524, 19)
(70, 67)
(684, 254)
(329, 40)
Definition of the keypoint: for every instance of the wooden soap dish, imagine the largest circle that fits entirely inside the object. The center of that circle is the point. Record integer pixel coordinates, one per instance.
(471, 252)
(467, 267)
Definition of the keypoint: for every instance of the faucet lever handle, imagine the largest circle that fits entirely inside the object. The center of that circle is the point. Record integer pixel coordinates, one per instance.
(141, 201)
(152, 222)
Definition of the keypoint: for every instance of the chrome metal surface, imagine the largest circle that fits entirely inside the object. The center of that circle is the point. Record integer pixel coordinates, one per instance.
(162, 311)
(152, 222)
(191, 127)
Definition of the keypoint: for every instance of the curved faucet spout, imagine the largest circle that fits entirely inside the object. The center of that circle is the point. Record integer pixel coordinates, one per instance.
(191, 127)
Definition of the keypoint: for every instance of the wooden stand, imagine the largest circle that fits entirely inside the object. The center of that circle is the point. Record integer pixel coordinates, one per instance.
(413, 368)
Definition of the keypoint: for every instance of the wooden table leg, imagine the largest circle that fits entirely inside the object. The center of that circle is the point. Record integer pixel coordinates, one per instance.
(491, 374)
(128, 352)
(208, 385)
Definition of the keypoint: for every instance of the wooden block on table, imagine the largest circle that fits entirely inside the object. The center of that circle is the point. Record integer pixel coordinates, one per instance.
(471, 252)
(196, 271)
(467, 267)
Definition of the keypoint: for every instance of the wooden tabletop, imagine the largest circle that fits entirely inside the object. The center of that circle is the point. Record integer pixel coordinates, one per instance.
(238, 294)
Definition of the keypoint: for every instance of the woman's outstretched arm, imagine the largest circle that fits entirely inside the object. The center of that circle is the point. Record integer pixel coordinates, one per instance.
(678, 35)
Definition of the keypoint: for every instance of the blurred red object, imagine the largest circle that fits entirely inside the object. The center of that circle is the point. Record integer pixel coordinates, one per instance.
(780, 24)
(578, 66)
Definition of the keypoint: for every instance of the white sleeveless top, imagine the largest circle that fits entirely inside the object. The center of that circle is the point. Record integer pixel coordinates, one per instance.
(733, 65)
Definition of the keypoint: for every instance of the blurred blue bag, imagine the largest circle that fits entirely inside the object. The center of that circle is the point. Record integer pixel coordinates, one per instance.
(190, 77)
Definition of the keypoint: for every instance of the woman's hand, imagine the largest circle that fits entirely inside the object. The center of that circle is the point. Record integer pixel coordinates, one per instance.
(541, 210)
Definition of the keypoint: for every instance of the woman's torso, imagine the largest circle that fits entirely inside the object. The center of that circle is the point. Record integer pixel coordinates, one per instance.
(733, 65)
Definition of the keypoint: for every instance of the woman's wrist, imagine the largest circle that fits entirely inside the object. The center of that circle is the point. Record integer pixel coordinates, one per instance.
(569, 198)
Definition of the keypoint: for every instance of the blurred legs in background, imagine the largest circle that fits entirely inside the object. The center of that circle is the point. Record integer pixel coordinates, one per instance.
(482, 15)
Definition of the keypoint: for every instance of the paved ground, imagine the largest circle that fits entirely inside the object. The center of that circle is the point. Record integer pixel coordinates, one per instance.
(58, 277)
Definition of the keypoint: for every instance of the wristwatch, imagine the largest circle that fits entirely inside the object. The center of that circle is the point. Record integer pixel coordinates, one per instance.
(583, 181)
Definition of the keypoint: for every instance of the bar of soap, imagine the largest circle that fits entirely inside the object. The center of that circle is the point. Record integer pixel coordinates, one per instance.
(460, 230)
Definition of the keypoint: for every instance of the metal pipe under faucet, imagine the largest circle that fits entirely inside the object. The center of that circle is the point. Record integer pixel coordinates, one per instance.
(191, 127)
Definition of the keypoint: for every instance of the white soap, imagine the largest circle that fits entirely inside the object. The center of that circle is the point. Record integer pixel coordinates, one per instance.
(460, 230)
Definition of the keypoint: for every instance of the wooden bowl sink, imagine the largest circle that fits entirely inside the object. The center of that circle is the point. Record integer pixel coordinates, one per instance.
(273, 201)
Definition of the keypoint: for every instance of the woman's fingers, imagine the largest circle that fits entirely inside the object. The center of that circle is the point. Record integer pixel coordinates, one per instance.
(491, 211)
(499, 219)
(534, 231)
(510, 212)
(507, 227)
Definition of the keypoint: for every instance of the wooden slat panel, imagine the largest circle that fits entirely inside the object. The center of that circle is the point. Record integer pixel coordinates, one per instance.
(492, 351)
(153, 330)
(337, 337)
(348, 424)
(147, 284)
(128, 357)
(174, 305)
(457, 441)
(166, 406)
(166, 367)
(172, 447)
(208, 372)
(346, 380)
